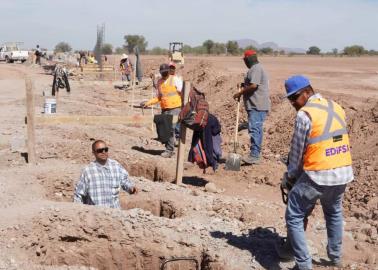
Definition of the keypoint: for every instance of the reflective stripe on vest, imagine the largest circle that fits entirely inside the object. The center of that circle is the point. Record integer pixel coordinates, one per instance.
(328, 144)
(169, 97)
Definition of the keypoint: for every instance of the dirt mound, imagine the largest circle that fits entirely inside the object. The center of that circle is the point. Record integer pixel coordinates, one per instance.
(361, 198)
(174, 223)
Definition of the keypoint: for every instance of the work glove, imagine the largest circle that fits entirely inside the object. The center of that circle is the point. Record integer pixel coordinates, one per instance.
(286, 182)
(143, 104)
(237, 96)
(133, 190)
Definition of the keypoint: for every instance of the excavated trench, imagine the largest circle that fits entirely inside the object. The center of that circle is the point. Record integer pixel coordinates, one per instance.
(158, 207)
(81, 246)
(151, 170)
(61, 190)
(115, 258)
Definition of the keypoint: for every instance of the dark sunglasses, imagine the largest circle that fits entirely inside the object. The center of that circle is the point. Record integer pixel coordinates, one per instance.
(102, 150)
(295, 96)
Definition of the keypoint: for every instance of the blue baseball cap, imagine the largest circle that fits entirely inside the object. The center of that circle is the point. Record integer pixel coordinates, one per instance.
(295, 84)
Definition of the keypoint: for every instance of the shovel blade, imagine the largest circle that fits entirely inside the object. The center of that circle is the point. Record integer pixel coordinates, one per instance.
(233, 162)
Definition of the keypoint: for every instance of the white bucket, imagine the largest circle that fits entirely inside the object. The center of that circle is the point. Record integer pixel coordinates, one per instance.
(50, 105)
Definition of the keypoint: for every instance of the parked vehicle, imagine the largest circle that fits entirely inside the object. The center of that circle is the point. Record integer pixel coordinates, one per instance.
(10, 52)
(175, 53)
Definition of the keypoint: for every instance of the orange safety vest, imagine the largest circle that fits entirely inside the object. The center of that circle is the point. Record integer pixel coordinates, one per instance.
(168, 95)
(328, 144)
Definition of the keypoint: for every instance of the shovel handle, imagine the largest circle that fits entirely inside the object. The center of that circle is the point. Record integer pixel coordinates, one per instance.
(237, 120)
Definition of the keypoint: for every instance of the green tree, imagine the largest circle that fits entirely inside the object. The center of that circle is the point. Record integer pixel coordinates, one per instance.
(62, 47)
(354, 50)
(119, 50)
(187, 49)
(250, 47)
(158, 51)
(232, 47)
(132, 41)
(208, 44)
(200, 50)
(218, 48)
(107, 48)
(335, 51)
(313, 50)
(266, 50)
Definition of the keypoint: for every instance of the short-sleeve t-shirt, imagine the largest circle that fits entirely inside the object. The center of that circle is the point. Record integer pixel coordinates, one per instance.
(258, 99)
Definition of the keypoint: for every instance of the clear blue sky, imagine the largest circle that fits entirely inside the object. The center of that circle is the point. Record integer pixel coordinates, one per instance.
(290, 23)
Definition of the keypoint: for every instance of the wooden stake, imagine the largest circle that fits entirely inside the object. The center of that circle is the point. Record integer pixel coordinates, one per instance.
(181, 148)
(129, 120)
(152, 107)
(30, 121)
(133, 87)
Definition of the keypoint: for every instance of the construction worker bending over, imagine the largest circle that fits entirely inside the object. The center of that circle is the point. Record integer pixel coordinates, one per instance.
(102, 179)
(319, 166)
(169, 95)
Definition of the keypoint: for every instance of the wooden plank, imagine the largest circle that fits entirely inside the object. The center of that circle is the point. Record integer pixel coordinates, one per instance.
(30, 121)
(143, 120)
(97, 72)
(181, 148)
(97, 66)
(97, 69)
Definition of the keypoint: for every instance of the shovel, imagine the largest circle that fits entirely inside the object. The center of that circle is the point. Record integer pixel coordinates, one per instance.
(233, 160)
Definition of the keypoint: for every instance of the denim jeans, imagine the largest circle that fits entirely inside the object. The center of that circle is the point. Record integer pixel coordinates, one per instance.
(302, 199)
(255, 129)
(126, 77)
(170, 145)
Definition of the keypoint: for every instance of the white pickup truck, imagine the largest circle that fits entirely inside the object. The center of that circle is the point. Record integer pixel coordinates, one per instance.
(11, 52)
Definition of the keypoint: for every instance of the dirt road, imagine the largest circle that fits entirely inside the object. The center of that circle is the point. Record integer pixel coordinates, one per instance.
(235, 228)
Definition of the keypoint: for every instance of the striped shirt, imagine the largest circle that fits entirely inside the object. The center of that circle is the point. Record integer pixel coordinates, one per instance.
(299, 142)
(100, 184)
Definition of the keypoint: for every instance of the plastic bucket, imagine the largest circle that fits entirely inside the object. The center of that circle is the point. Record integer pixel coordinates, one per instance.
(50, 105)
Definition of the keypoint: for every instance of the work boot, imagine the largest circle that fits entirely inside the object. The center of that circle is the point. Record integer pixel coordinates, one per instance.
(251, 160)
(337, 263)
(167, 154)
(284, 249)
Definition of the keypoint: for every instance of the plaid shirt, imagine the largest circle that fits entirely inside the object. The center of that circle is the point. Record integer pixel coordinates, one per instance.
(299, 142)
(100, 184)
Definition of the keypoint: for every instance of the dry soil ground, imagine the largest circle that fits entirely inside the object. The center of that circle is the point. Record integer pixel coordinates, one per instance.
(232, 228)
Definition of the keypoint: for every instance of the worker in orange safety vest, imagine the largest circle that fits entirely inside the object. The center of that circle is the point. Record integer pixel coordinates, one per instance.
(169, 97)
(318, 168)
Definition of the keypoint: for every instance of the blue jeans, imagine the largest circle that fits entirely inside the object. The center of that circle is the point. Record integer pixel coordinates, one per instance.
(255, 129)
(302, 199)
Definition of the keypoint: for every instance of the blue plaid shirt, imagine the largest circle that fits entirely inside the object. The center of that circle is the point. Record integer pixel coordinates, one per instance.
(100, 184)
(332, 177)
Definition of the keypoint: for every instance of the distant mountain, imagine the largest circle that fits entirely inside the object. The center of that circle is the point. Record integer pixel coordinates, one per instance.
(293, 50)
(272, 45)
(248, 42)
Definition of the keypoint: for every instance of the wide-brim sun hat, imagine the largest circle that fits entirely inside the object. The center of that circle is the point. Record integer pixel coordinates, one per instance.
(124, 56)
(296, 83)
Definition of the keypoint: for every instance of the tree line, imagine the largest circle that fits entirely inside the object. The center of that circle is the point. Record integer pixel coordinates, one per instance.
(354, 50)
(211, 47)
